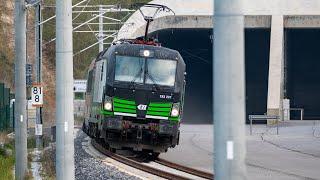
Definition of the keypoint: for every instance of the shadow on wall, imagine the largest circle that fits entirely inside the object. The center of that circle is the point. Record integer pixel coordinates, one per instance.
(303, 71)
(195, 46)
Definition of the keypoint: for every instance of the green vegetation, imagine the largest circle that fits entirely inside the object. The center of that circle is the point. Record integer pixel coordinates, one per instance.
(6, 49)
(6, 164)
(32, 141)
(48, 170)
(79, 96)
(78, 120)
(82, 40)
(6, 159)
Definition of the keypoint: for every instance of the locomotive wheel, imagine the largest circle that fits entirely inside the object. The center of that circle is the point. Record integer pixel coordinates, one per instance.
(155, 155)
(83, 127)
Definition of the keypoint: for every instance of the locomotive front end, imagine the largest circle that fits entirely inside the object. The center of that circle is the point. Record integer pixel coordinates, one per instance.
(143, 98)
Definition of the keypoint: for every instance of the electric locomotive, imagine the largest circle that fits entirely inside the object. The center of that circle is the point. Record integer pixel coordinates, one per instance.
(135, 96)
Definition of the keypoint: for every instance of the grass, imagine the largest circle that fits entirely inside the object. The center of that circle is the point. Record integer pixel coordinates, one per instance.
(46, 159)
(78, 120)
(48, 170)
(32, 142)
(6, 162)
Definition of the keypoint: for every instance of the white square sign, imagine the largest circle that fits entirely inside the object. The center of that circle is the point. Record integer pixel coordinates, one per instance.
(80, 85)
(38, 130)
(37, 95)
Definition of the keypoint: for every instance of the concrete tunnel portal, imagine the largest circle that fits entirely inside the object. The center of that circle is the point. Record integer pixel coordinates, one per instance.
(303, 71)
(195, 46)
(284, 43)
(302, 68)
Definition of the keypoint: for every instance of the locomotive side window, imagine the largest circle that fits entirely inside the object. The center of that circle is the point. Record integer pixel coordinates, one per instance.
(129, 69)
(90, 79)
(102, 71)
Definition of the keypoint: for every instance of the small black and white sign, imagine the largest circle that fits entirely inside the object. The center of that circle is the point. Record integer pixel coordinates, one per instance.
(37, 95)
(80, 85)
(165, 97)
(142, 107)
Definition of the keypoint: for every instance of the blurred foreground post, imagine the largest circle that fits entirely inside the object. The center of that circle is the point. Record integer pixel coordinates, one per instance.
(64, 91)
(20, 90)
(229, 91)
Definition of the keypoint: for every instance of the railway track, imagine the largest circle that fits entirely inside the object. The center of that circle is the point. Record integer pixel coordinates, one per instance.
(153, 170)
(188, 170)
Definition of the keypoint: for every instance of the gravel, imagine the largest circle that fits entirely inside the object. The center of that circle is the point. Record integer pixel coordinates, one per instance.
(88, 167)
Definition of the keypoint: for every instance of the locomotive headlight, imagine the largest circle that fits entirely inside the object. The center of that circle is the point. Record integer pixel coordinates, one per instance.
(146, 53)
(175, 110)
(107, 103)
(108, 106)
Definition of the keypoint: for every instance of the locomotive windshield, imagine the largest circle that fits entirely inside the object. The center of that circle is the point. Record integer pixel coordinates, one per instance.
(161, 72)
(145, 71)
(130, 69)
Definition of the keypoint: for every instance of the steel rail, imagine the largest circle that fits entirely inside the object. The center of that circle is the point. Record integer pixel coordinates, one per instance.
(137, 165)
(185, 169)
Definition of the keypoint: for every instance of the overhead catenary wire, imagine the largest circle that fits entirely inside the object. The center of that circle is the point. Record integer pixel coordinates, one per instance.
(107, 37)
(81, 10)
(52, 17)
(195, 56)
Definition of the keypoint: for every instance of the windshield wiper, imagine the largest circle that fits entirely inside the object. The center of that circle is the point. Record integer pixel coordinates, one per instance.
(132, 83)
(153, 81)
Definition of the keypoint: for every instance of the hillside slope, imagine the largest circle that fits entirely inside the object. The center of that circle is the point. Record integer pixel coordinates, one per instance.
(6, 42)
(81, 61)
(80, 41)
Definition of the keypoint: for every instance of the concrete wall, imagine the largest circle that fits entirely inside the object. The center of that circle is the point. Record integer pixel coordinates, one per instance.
(276, 66)
(205, 22)
(297, 13)
(273, 14)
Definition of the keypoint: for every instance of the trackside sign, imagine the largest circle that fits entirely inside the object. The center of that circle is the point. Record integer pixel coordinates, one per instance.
(37, 95)
(80, 85)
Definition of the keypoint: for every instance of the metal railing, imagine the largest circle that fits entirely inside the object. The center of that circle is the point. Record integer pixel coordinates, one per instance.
(298, 109)
(263, 118)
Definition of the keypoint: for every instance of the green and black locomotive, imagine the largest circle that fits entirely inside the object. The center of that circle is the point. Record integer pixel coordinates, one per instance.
(135, 94)
(135, 97)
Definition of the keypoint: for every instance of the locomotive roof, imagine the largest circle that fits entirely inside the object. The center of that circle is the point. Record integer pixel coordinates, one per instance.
(127, 49)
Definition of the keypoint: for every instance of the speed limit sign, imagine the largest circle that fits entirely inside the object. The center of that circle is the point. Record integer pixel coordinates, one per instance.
(37, 95)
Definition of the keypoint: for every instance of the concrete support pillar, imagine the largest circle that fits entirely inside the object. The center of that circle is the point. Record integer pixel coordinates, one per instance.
(64, 92)
(229, 91)
(276, 67)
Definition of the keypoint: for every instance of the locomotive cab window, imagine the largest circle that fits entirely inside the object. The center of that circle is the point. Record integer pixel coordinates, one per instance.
(161, 72)
(129, 69)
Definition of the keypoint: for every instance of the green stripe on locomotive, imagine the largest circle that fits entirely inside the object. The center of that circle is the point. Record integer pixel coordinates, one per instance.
(162, 109)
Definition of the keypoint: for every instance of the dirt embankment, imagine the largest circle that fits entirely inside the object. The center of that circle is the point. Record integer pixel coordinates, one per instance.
(7, 56)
